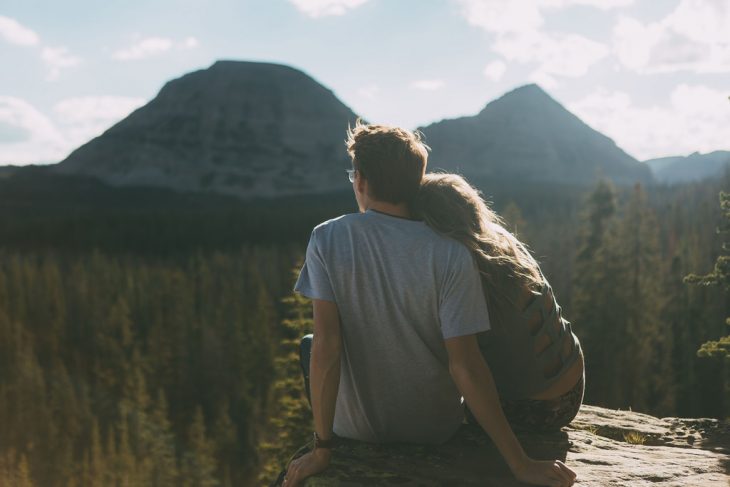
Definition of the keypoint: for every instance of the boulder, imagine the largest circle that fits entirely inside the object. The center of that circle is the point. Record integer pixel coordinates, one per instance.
(605, 447)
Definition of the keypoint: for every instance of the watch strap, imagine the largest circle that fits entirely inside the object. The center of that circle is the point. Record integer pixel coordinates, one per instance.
(320, 443)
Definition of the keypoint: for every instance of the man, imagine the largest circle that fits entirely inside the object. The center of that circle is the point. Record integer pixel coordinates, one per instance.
(396, 310)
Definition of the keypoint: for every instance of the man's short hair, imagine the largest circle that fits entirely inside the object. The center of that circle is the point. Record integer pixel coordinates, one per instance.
(392, 159)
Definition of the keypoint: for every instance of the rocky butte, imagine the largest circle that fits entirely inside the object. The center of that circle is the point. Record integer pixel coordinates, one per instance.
(238, 128)
(605, 447)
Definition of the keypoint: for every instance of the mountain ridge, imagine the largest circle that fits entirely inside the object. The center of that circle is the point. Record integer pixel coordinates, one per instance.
(241, 128)
(535, 127)
(696, 166)
(253, 129)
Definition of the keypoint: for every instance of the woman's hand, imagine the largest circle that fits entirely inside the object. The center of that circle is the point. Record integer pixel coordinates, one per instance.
(553, 473)
(307, 465)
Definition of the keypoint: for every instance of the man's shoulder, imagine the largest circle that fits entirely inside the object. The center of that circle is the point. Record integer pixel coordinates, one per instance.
(333, 224)
(335, 228)
(450, 245)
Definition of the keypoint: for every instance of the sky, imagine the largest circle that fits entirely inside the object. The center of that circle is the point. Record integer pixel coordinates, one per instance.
(654, 75)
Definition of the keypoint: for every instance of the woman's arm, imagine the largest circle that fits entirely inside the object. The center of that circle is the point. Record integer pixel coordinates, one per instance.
(475, 382)
(324, 380)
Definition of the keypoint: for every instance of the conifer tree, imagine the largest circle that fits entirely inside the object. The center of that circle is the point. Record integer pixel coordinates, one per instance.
(111, 459)
(23, 477)
(95, 458)
(125, 465)
(160, 444)
(643, 349)
(289, 423)
(719, 276)
(595, 285)
(198, 462)
(225, 436)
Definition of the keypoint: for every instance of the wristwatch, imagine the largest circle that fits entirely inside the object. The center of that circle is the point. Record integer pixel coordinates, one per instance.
(320, 443)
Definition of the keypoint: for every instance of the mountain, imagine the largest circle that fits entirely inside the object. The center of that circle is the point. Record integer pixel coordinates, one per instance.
(253, 130)
(696, 166)
(240, 128)
(7, 171)
(526, 135)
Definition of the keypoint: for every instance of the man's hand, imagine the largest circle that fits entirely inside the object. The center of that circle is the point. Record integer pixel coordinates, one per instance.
(324, 382)
(307, 465)
(553, 473)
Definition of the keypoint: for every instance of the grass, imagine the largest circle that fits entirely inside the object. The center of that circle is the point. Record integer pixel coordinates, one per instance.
(634, 438)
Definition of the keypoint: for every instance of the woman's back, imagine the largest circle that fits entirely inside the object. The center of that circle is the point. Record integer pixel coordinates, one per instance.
(534, 357)
(532, 351)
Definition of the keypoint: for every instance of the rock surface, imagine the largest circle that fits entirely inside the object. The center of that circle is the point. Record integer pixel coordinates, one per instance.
(605, 447)
(527, 135)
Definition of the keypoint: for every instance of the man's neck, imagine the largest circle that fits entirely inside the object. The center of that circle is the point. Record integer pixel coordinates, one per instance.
(400, 209)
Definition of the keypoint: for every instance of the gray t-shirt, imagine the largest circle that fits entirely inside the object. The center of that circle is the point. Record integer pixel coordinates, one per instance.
(401, 289)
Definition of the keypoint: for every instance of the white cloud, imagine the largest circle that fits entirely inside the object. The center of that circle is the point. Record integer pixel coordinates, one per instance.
(557, 54)
(28, 136)
(323, 8)
(600, 4)
(705, 21)
(695, 118)
(516, 25)
(32, 136)
(543, 79)
(153, 46)
(633, 42)
(495, 70)
(190, 43)
(695, 37)
(56, 59)
(84, 118)
(428, 84)
(15, 33)
(501, 16)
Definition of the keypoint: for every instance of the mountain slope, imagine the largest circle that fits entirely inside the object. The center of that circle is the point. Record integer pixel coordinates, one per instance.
(690, 168)
(256, 130)
(527, 135)
(241, 128)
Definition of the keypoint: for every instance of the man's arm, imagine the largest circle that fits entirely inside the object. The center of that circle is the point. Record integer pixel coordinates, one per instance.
(324, 380)
(475, 382)
(325, 366)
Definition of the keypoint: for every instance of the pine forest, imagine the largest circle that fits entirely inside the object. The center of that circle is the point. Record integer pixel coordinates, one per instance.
(155, 343)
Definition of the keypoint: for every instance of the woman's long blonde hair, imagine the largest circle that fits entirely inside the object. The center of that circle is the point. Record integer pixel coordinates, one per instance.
(451, 206)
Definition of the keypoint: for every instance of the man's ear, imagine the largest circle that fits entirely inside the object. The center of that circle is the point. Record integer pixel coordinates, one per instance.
(362, 184)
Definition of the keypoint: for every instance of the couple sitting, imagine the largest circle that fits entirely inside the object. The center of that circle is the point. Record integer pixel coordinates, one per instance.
(421, 298)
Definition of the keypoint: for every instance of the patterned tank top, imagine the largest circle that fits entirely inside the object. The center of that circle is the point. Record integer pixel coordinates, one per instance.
(525, 352)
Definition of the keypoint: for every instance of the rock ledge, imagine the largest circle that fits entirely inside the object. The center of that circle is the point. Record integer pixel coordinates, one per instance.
(605, 447)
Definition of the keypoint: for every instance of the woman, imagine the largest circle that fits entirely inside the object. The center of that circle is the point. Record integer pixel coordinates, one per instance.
(534, 357)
